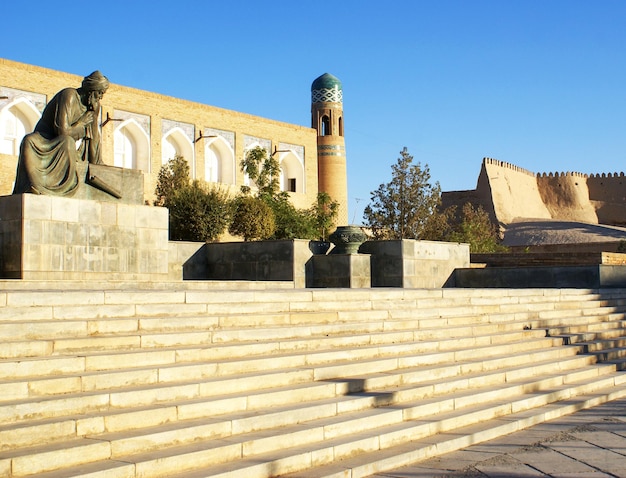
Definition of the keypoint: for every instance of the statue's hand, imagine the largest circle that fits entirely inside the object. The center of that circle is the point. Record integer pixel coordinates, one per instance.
(87, 118)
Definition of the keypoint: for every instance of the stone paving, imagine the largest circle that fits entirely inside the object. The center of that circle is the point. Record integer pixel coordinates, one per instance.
(590, 443)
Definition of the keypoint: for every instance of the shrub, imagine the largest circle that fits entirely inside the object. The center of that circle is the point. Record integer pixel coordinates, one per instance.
(252, 219)
(198, 212)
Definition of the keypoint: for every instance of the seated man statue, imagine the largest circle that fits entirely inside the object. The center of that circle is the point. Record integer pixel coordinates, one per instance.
(66, 133)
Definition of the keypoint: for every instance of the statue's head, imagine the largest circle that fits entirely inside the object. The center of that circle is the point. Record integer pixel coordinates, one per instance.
(93, 88)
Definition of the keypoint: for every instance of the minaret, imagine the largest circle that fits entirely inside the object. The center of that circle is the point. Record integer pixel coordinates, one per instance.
(327, 119)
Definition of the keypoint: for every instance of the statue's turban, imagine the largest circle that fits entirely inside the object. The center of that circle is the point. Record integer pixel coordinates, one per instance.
(95, 82)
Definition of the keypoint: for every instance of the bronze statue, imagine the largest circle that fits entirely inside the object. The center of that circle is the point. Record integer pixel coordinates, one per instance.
(66, 133)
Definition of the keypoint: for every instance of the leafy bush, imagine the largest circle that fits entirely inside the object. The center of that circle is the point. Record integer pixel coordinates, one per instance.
(172, 176)
(198, 212)
(477, 229)
(252, 219)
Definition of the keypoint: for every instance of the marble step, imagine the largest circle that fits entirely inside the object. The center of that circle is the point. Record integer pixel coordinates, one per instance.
(351, 394)
(318, 442)
(84, 394)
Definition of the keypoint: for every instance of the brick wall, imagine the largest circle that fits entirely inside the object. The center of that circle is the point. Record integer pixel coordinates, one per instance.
(159, 107)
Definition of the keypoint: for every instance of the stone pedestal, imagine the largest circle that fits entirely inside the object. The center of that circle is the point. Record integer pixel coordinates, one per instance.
(282, 260)
(339, 270)
(53, 238)
(415, 264)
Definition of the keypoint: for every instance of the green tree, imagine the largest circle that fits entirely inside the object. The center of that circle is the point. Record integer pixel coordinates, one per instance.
(476, 229)
(289, 222)
(407, 207)
(197, 211)
(172, 176)
(324, 211)
(252, 219)
(263, 170)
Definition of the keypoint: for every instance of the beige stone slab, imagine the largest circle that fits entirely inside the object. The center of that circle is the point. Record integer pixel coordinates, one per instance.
(226, 351)
(355, 369)
(163, 437)
(361, 443)
(364, 421)
(120, 360)
(13, 390)
(117, 379)
(292, 395)
(104, 469)
(54, 298)
(174, 310)
(95, 312)
(57, 407)
(144, 297)
(112, 326)
(252, 320)
(42, 329)
(282, 417)
(33, 367)
(250, 334)
(172, 339)
(255, 381)
(90, 425)
(149, 396)
(38, 434)
(97, 343)
(188, 458)
(270, 441)
(30, 348)
(55, 457)
(54, 386)
(211, 408)
(258, 364)
(222, 297)
(429, 408)
(133, 420)
(187, 372)
(165, 324)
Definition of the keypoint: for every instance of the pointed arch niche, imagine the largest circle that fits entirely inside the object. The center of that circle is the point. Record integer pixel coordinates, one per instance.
(18, 118)
(177, 139)
(219, 160)
(251, 142)
(132, 146)
(292, 177)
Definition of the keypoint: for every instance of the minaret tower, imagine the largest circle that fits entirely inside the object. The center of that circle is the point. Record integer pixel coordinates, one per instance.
(327, 119)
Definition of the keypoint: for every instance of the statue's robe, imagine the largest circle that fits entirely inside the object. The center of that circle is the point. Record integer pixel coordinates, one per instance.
(48, 156)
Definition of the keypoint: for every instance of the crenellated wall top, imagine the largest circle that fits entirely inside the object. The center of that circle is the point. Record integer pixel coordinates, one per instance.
(556, 174)
(504, 164)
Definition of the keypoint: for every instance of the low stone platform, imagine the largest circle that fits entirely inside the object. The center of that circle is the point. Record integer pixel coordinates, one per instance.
(589, 276)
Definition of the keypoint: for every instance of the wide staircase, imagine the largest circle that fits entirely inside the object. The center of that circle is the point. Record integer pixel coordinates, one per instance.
(183, 380)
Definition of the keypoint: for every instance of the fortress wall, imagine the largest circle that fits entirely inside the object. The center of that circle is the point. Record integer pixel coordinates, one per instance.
(514, 191)
(566, 197)
(607, 194)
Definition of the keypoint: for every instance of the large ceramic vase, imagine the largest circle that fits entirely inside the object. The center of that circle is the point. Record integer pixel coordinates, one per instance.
(347, 239)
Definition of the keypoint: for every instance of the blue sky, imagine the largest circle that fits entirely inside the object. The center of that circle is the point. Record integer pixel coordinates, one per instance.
(537, 83)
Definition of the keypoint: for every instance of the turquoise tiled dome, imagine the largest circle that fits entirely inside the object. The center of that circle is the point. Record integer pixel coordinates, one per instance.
(326, 88)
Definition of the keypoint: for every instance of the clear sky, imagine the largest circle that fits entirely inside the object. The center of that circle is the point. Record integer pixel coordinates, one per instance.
(537, 83)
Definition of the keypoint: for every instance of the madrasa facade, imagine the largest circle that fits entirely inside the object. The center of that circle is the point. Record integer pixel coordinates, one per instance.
(142, 130)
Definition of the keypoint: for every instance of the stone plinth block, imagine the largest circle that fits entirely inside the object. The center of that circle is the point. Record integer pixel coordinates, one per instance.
(259, 260)
(339, 270)
(54, 238)
(415, 264)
